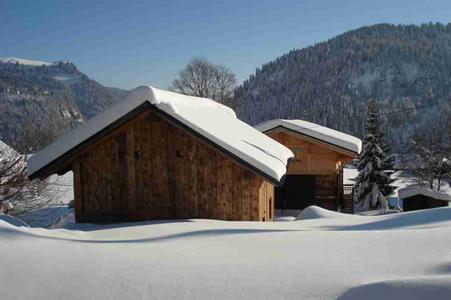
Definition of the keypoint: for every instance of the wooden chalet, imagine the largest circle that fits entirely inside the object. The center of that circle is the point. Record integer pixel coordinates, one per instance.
(315, 174)
(162, 155)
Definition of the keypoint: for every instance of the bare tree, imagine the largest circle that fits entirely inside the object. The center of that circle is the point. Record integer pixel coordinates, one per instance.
(202, 78)
(19, 195)
(430, 157)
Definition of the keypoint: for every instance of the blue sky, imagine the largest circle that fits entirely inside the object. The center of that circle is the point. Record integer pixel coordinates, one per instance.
(128, 43)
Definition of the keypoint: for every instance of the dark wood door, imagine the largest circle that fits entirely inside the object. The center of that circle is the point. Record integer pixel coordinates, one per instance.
(298, 192)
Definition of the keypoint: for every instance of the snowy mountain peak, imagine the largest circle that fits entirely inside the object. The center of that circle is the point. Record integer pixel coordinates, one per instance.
(61, 62)
(23, 61)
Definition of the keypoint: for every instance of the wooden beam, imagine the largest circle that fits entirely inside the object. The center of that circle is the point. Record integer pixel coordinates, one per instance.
(338, 149)
(78, 195)
(131, 179)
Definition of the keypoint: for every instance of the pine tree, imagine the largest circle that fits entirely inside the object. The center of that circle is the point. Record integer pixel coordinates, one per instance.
(372, 180)
(305, 115)
(388, 164)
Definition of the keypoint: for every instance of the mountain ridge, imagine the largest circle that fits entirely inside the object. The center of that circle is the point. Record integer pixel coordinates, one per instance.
(24, 61)
(40, 100)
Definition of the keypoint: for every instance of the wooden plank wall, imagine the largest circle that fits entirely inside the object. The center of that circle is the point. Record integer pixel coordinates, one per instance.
(326, 191)
(266, 196)
(315, 159)
(320, 160)
(151, 169)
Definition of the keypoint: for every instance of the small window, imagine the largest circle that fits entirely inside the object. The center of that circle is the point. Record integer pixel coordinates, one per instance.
(297, 153)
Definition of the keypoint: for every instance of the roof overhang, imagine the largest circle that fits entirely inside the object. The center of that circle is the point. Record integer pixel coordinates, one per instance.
(63, 162)
(305, 136)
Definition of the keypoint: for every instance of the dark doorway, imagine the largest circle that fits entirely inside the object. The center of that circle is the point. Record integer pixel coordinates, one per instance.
(297, 192)
(421, 202)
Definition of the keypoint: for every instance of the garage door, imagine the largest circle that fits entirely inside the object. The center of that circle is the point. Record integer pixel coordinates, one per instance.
(298, 192)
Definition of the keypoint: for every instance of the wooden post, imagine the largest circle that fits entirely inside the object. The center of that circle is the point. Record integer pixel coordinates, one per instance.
(78, 199)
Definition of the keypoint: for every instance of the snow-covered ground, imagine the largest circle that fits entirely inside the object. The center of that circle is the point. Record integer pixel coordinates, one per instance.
(323, 255)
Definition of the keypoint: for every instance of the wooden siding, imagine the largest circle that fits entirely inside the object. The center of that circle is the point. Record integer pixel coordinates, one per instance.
(151, 169)
(315, 158)
(326, 191)
(323, 161)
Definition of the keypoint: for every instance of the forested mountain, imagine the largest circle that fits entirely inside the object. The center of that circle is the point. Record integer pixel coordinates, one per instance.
(405, 69)
(39, 101)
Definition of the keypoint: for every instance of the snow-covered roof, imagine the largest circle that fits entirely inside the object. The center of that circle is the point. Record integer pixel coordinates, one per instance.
(214, 121)
(5, 148)
(330, 136)
(23, 61)
(414, 190)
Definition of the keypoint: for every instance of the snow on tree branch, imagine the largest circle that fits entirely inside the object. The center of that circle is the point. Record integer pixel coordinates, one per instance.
(19, 195)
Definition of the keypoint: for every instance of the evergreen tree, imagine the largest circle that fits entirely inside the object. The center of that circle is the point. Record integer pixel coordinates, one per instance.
(305, 115)
(388, 163)
(372, 181)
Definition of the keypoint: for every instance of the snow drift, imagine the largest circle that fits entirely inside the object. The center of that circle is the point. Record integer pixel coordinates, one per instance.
(316, 212)
(437, 288)
(399, 257)
(12, 221)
